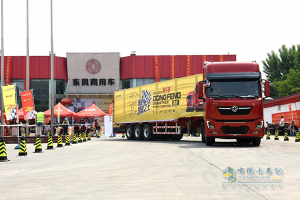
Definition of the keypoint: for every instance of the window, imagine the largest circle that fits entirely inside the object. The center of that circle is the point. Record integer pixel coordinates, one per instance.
(40, 94)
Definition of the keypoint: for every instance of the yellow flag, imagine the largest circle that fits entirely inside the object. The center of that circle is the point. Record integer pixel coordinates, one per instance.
(9, 100)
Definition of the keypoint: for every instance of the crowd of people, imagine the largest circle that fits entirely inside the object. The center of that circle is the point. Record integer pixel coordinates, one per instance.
(282, 127)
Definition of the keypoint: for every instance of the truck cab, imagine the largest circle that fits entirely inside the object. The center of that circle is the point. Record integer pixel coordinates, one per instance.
(232, 102)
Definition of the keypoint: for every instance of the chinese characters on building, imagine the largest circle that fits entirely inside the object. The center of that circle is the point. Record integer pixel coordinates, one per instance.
(93, 82)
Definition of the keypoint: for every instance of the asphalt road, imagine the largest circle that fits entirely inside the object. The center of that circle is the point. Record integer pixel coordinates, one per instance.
(115, 168)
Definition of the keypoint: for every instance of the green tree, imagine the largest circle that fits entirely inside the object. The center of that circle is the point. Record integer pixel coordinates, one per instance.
(279, 68)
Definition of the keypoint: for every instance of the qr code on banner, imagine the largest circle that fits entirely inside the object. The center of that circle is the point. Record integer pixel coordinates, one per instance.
(12, 114)
(144, 102)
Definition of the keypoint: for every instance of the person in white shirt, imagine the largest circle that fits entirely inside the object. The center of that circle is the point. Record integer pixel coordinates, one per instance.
(282, 125)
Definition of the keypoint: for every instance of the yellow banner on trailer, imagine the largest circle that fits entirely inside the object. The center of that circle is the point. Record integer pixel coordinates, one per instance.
(167, 100)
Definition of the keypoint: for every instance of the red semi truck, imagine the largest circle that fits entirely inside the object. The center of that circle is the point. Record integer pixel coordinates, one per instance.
(232, 102)
(193, 103)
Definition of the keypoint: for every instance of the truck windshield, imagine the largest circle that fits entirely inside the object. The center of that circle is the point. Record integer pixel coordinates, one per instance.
(234, 88)
(190, 97)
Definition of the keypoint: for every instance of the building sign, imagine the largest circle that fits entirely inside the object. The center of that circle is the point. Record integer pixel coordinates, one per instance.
(188, 65)
(93, 73)
(93, 66)
(93, 82)
(156, 69)
(7, 69)
(173, 69)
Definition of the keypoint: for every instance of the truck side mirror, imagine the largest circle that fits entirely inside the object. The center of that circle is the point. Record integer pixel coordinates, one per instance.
(200, 89)
(267, 88)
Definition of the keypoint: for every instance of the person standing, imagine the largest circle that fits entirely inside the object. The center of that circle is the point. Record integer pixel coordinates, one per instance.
(76, 130)
(65, 126)
(282, 125)
(97, 126)
(40, 117)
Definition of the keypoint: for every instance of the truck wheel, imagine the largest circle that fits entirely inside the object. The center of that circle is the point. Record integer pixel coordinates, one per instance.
(209, 141)
(147, 132)
(129, 132)
(256, 142)
(138, 135)
(203, 136)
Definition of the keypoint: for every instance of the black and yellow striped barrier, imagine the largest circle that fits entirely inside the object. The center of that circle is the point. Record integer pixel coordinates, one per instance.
(67, 142)
(79, 138)
(84, 137)
(38, 145)
(23, 149)
(59, 141)
(297, 137)
(3, 155)
(89, 136)
(50, 142)
(74, 141)
(286, 136)
(123, 135)
(98, 134)
(268, 135)
(276, 135)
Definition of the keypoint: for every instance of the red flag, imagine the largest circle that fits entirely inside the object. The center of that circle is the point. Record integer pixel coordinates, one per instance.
(110, 109)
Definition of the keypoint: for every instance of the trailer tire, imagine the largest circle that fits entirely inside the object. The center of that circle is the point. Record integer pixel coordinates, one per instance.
(209, 141)
(129, 132)
(256, 142)
(138, 134)
(147, 132)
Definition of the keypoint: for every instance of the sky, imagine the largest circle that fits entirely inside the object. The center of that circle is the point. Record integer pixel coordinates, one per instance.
(249, 29)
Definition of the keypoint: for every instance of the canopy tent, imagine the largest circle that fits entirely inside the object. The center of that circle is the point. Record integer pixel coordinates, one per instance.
(91, 111)
(63, 111)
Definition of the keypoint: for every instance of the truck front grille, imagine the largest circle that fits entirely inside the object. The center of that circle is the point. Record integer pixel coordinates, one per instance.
(241, 110)
(235, 130)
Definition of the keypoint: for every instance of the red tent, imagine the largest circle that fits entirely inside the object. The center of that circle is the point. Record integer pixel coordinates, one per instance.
(63, 111)
(91, 111)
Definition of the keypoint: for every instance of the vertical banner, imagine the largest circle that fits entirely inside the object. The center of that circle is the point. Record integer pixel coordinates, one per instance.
(156, 69)
(58, 113)
(110, 110)
(25, 77)
(9, 99)
(290, 108)
(221, 58)
(188, 65)
(172, 67)
(27, 104)
(7, 70)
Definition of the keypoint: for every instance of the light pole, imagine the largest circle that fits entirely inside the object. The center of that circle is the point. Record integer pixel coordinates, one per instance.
(27, 62)
(52, 73)
(2, 71)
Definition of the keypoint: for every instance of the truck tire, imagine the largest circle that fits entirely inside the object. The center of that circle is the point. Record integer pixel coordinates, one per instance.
(209, 141)
(129, 132)
(203, 136)
(147, 132)
(256, 142)
(138, 135)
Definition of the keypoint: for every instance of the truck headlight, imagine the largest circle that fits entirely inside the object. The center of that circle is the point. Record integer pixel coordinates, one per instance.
(209, 125)
(259, 125)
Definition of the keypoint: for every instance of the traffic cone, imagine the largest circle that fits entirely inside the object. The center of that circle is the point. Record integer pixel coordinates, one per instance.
(268, 135)
(74, 141)
(23, 149)
(123, 135)
(59, 141)
(84, 137)
(3, 155)
(98, 134)
(50, 142)
(286, 136)
(79, 138)
(67, 143)
(38, 146)
(297, 137)
(89, 136)
(276, 135)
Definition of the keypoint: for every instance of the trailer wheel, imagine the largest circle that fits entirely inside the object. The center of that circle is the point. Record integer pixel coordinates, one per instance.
(147, 132)
(256, 142)
(129, 132)
(209, 141)
(138, 135)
